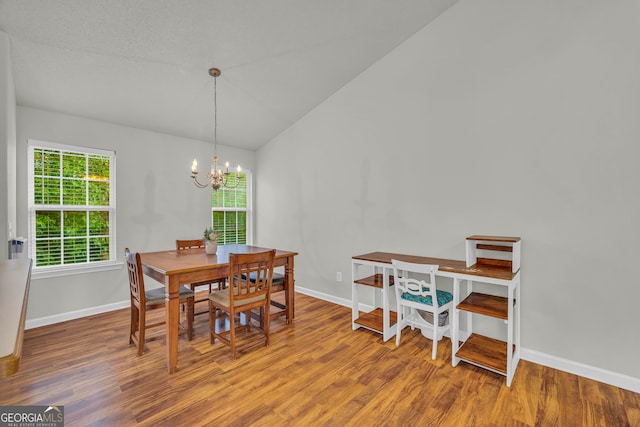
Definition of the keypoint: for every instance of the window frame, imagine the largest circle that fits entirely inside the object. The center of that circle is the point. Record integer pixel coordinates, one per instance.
(248, 209)
(74, 268)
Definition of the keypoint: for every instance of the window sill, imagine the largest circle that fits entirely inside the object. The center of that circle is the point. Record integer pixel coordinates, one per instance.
(68, 270)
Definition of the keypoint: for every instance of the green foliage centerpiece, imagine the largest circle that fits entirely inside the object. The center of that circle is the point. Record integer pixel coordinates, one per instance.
(211, 240)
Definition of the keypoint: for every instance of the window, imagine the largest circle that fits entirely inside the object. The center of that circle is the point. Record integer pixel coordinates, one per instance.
(71, 206)
(231, 211)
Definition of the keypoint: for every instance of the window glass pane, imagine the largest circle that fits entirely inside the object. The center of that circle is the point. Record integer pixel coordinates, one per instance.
(230, 227)
(99, 249)
(38, 192)
(241, 199)
(37, 162)
(47, 253)
(75, 224)
(48, 224)
(228, 198)
(51, 191)
(98, 168)
(51, 162)
(75, 250)
(218, 223)
(98, 193)
(215, 199)
(99, 223)
(74, 192)
(242, 227)
(74, 165)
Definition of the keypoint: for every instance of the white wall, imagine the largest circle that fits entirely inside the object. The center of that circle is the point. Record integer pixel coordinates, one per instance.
(500, 117)
(7, 146)
(156, 202)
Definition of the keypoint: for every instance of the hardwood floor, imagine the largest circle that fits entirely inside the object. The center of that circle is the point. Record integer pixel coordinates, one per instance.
(316, 372)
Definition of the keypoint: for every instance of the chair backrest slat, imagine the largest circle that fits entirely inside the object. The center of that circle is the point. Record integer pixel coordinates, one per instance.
(182, 244)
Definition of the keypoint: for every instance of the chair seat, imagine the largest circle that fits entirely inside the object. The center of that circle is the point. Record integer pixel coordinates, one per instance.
(222, 297)
(158, 295)
(444, 297)
(276, 280)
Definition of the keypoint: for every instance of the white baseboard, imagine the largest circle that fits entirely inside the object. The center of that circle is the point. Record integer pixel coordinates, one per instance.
(334, 299)
(63, 317)
(576, 368)
(608, 377)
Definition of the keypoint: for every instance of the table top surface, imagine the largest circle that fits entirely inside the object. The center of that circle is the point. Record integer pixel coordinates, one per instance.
(175, 262)
(444, 265)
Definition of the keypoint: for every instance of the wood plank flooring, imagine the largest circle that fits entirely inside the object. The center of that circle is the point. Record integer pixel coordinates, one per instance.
(316, 372)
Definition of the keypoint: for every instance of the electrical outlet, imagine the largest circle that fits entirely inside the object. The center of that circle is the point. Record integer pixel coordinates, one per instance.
(339, 276)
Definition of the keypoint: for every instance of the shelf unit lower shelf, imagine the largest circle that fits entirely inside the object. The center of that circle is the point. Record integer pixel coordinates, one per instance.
(373, 319)
(485, 352)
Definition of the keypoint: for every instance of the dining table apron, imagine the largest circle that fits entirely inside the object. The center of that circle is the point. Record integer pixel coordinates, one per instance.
(175, 268)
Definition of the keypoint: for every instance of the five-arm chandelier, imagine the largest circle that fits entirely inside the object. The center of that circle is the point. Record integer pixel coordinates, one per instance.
(217, 178)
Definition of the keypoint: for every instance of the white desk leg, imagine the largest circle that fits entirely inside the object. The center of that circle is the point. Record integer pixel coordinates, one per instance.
(510, 335)
(517, 325)
(516, 329)
(387, 333)
(469, 330)
(455, 324)
(354, 297)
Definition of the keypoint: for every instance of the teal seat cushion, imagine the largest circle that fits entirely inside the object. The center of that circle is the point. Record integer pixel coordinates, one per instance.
(444, 297)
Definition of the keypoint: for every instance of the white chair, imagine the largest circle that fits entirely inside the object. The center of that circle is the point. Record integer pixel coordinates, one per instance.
(413, 293)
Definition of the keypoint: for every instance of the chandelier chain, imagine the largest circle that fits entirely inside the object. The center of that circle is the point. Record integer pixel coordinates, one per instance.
(215, 115)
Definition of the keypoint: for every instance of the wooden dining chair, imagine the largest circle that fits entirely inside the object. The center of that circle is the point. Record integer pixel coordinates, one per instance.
(185, 245)
(242, 296)
(142, 300)
(416, 295)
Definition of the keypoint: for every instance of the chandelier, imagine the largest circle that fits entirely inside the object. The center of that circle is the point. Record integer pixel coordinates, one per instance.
(217, 178)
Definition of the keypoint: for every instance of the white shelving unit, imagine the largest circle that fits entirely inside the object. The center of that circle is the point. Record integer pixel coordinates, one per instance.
(381, 319)
(494, 260)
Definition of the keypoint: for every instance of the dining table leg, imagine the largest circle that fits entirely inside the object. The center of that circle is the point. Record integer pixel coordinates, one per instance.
(172, 312)
(289, 291)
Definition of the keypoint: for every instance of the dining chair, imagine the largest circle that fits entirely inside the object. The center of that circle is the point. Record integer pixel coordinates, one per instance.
(185, 245)
(415, 296)
(143, 300)
(242, 296)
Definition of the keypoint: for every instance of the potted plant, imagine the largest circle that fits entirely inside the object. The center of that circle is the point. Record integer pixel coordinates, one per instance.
(211, 240)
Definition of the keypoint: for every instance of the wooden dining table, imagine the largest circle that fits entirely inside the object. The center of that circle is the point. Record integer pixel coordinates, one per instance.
(175, 268)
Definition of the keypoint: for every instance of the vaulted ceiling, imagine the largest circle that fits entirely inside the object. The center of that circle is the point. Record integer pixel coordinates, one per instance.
(144, 63)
